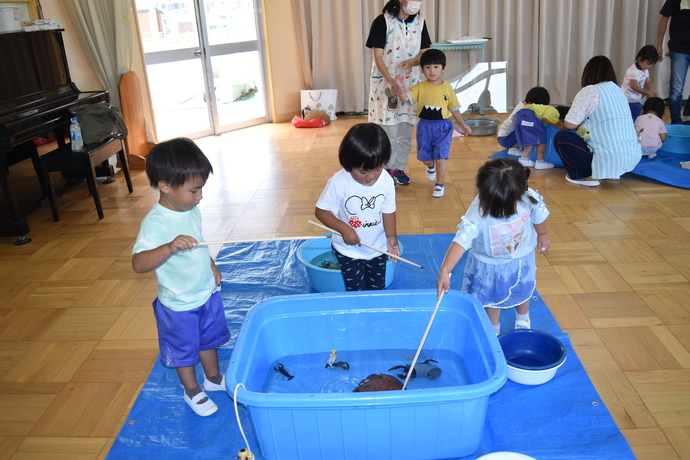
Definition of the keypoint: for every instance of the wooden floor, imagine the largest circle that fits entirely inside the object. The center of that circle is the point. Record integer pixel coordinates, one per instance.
(78, 339)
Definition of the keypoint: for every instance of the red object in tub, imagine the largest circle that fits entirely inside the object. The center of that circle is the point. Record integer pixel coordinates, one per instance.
(379, 382)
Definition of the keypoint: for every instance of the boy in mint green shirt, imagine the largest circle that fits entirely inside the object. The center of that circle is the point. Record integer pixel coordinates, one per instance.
(189, 310)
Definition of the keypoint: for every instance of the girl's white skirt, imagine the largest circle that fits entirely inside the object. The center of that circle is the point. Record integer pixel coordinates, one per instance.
(500, 286)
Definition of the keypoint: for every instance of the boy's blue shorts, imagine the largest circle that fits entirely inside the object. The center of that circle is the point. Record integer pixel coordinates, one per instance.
(182, 334)
(433, 139)
(507, 141)
(529, 129)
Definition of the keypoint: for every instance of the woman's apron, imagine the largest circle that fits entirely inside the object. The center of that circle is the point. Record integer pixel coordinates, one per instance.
(403, 42)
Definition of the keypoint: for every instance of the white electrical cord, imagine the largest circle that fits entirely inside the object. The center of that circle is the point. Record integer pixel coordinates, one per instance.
(239, 424)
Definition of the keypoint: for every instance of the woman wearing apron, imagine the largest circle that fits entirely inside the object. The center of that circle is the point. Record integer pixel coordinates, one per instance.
(397, 38)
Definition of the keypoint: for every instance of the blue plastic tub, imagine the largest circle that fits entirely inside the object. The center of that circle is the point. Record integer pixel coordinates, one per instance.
(677, 139)
(313, 252)
(533, 356)
(431, 419)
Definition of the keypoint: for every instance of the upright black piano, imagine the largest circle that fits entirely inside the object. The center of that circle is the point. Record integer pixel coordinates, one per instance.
(37, 97)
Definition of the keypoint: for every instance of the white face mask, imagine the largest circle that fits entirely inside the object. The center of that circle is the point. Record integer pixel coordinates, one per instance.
(412, 8)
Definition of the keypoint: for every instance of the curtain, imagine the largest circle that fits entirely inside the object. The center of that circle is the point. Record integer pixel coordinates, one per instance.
(104, 29)
(545, 42)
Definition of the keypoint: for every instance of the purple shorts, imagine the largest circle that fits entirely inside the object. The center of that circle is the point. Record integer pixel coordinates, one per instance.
(529, 129)
(507, 141)
(182, 334)
(433, 139)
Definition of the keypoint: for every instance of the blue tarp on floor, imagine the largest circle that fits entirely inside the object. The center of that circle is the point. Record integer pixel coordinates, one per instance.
(562, 419)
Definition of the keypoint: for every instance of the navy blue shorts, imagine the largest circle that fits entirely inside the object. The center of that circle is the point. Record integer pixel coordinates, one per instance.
(433, 139)
(635, 109)
(362, 274)
(182, 334)
(529, 129)
(507, 141)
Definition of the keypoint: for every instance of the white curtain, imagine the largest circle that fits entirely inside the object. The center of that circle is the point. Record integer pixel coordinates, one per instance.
(545, 42)
(104, 29)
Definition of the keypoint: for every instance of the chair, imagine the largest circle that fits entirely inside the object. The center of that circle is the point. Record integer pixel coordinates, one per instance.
(63, 159)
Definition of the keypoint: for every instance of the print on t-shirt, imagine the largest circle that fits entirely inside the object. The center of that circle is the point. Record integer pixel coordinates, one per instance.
(506, 237)
(363, 211)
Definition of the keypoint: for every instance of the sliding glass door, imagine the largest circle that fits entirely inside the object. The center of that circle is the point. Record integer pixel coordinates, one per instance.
(204, 60)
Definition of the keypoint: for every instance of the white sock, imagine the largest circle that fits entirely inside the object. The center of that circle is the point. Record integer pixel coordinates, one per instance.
(519, 316)
(497, 327)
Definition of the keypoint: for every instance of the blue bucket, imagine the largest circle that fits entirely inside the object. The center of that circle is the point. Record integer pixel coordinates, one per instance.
(677, 139)
(313, 253)
(533, 356)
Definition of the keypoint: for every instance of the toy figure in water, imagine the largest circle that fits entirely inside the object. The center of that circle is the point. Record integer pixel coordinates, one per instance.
(336, 365)
(379, 382)
(422, 368)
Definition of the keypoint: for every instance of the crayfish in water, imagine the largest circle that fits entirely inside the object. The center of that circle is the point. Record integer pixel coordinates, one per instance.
(282, 371)
(339, 365)
(428, 370)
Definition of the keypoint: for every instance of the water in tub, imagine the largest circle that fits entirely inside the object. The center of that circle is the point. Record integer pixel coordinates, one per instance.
(326, 260)
(310, 374)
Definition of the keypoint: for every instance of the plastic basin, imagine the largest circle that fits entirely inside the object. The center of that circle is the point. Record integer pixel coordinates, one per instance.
(533, 356)
(328, 279)
(677, 139)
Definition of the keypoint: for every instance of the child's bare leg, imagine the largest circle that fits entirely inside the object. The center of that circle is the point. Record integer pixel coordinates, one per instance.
(187, 376)
(494, 315)
(522, 320)
(523, 308)
(440, 171)
(209, 360)
(541, 150)
(527, 151)
(428, 164)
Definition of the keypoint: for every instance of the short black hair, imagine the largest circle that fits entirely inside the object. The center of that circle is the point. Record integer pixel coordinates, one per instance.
(432, 56)
(365, 146)
(175, 161)
(655, 105)
(647, 53)
(538, 95)
(501, 183)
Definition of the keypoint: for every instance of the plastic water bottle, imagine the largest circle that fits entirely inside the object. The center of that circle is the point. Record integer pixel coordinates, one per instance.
(75, 135)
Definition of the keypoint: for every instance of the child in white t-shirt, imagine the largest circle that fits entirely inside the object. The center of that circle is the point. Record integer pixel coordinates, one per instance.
(651, 130)
(637, 85)
(359, 203)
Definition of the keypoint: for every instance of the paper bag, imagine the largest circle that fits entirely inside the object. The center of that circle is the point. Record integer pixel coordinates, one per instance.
(319, 99)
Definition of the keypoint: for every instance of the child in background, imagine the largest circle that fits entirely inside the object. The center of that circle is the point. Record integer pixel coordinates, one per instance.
(189, 310)
(359, 203)
(529, 126)
(500, 230)
(650, 127)
(506, 136)
(436, 102)
(637, 85)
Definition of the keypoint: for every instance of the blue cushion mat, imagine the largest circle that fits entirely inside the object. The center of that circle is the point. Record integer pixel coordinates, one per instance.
(562, 419)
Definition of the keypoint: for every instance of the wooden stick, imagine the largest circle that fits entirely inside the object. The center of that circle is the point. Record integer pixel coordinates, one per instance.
(369, 246)
(257, 240)
(421, 344)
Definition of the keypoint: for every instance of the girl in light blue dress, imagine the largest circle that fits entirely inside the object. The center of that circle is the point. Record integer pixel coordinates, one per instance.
(500, 230)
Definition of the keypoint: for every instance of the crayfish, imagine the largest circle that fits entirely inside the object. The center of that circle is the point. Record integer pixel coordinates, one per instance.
(282, 371)
(339, 365)
(406, 367)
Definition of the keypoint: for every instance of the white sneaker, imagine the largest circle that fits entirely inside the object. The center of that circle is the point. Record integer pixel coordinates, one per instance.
(516, 152)
(522, 324)
(651, 155)
(543, 165)
(438, 192)
(586, 182)
(431, 174)
(526, 162)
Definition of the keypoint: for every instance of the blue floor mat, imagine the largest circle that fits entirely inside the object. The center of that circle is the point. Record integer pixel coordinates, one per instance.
(562, 419)
(664, 168)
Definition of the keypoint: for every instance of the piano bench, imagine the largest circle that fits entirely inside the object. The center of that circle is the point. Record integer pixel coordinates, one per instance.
(63, 159)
